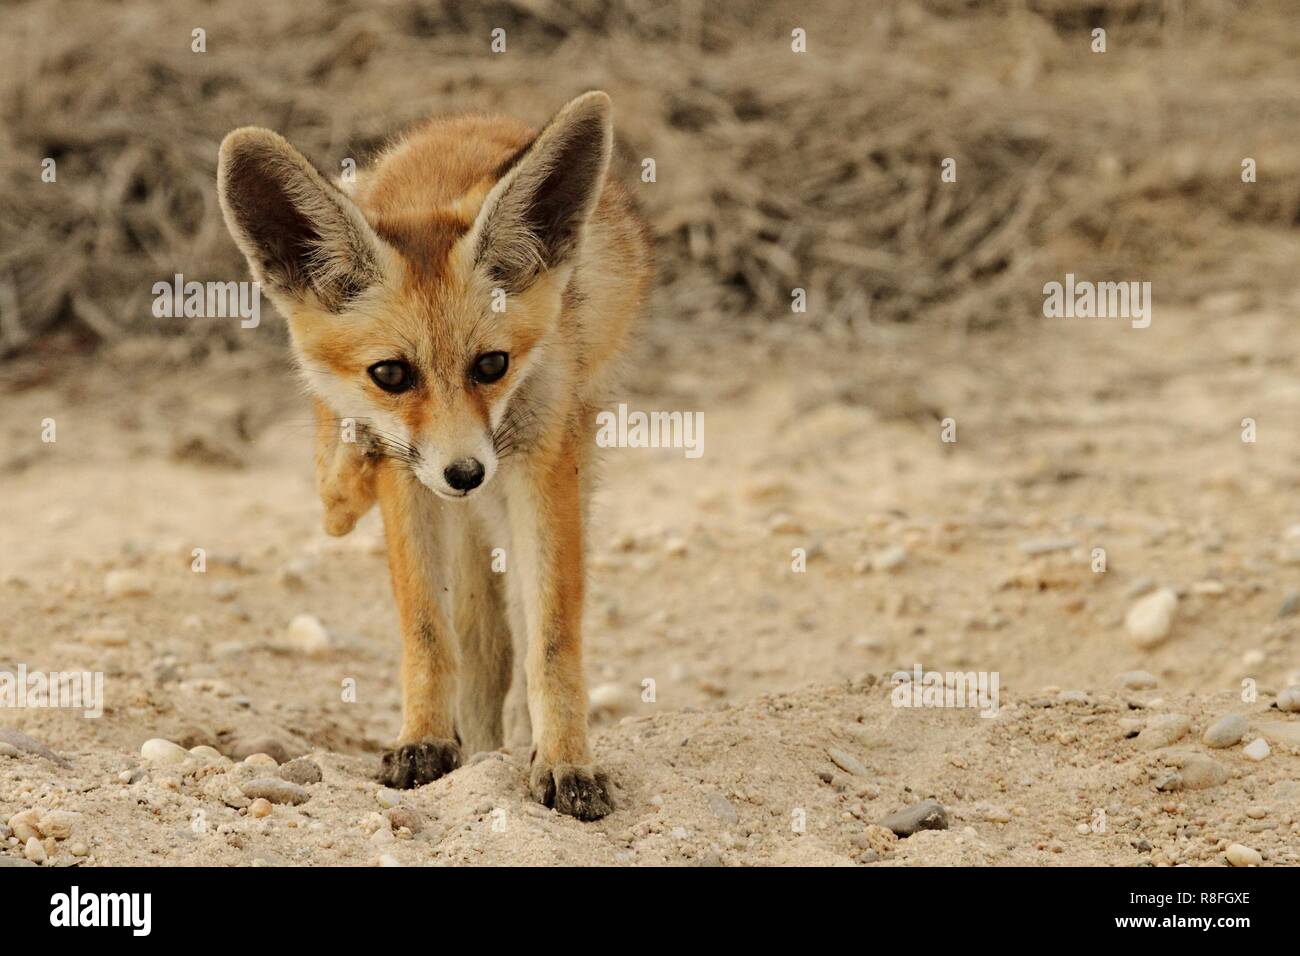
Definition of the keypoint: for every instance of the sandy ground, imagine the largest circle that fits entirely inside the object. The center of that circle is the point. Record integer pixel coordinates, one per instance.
(976, 555)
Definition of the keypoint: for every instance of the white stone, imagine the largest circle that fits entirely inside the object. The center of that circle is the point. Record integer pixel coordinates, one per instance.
(58, 823)
(1241, 855)
(1257, 749)
(158, 750)
(308, 634)
(609, 699)
(35, 851)
(1151, 618)
(25, 824)
(889, 559)
(1289, 700)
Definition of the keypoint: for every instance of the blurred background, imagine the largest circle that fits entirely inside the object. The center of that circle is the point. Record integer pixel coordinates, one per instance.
(775, 170)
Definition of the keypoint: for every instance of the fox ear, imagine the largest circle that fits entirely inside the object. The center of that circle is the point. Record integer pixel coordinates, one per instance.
(532, 219)
(300, 234)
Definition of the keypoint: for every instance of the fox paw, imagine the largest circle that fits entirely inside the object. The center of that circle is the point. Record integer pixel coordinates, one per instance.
(414, 765)
(580, 792)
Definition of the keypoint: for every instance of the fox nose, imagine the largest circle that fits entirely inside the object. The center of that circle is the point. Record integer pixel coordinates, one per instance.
(464, 475)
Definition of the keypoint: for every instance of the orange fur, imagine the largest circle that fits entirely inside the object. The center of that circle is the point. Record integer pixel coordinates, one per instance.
(461, 215)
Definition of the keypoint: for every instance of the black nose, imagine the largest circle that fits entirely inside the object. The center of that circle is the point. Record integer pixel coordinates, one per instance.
(464, 474)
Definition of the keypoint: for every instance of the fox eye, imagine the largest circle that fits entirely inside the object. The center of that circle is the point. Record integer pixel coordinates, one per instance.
(490, 366)
(392, 375)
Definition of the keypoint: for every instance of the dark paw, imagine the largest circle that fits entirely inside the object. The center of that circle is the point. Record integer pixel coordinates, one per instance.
(414, 765)
(581, 792)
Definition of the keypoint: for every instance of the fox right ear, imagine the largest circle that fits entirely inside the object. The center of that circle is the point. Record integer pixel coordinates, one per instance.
(301, 235)
(533, 218)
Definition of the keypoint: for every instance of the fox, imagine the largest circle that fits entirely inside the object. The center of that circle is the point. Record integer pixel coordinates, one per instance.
(458, 311)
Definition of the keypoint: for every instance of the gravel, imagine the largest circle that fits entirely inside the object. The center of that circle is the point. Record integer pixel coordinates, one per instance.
(926, 815)
(275, 790)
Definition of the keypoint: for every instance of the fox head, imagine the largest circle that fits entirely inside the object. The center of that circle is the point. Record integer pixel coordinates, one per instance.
(395, 310)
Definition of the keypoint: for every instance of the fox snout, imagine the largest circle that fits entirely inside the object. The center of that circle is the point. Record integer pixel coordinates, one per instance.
(455, 475)
(464, 475)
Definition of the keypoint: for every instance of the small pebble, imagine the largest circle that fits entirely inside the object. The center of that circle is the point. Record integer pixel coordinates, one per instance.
(246, 747)
(1241, 855)
(1151, 618)
(35, 851)
(1289, 699)
(723, 810)
(162, 751)
(308, 634)
(1257, 749)
(609, 699)
(1163, 730)
(1137, 680)
(889, 559)
(275, 790)
(784, 524)
(1226, 731)
(847, 762)
(388, 798)
(126, 583)
(31, 745)
(25, 824)
(58, 823)
(926, 815)
(1200, 772)
(301, 771)
(261, 807)
(1036, 546)
(406, 817)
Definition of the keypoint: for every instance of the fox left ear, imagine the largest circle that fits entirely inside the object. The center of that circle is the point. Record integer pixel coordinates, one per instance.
(532, 219)
(301, 235)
